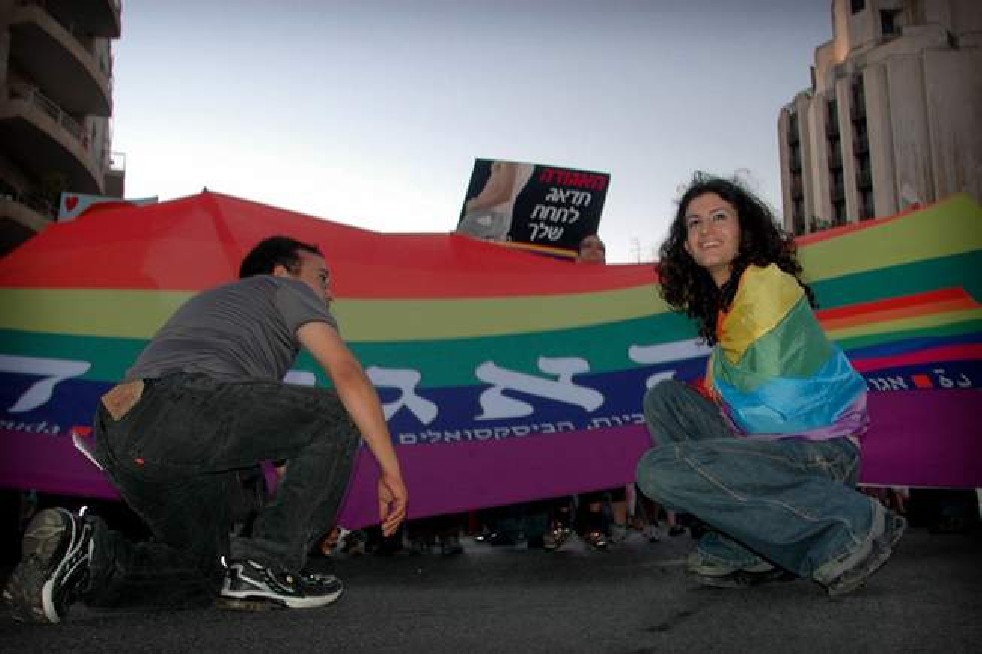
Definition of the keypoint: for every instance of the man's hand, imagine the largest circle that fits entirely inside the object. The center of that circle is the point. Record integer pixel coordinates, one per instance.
(392, 498)
(362, 403)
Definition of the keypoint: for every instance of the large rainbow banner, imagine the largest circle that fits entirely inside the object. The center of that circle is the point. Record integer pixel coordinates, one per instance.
(505, 376)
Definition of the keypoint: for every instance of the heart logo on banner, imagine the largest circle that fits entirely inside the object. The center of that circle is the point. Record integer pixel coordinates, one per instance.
(71, 202)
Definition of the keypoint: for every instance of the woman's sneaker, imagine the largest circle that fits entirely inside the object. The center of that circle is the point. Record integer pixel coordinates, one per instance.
(850, 572)
(709, 572)
(248, 581)
(53, 569)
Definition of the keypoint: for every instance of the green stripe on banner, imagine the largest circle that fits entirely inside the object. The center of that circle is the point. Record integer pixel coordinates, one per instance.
(908, 279)
(110, 357)
(452, 362)
(442, 363)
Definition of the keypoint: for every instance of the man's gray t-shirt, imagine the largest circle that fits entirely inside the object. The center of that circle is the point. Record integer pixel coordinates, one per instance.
(243, 330)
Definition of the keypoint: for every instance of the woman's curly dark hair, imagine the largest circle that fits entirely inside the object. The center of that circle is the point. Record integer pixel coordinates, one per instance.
(688, 287)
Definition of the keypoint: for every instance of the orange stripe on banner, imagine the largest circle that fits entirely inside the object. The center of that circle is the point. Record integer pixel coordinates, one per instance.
(914, 311)
(928, 298)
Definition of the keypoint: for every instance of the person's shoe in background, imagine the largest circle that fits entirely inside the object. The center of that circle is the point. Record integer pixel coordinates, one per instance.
(450, 545)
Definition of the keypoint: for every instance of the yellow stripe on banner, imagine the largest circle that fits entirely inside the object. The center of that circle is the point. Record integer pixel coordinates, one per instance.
(85, 312)
(950, 227)
(138, 314)
(906, 324)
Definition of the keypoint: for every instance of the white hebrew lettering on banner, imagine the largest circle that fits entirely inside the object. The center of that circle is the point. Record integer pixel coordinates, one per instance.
(495, 405)
(406, 381)
(300, 378)
(54, 371)
(675, 351)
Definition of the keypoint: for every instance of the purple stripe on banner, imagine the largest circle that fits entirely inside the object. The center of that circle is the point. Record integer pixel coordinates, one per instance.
(918, 438)
(49, 464)
(924, 438)
(462, 476)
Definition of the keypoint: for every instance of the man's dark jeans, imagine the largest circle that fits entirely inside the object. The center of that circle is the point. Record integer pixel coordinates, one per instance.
(174, 458)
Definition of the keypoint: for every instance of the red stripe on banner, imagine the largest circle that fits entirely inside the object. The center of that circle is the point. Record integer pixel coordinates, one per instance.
(149, 247)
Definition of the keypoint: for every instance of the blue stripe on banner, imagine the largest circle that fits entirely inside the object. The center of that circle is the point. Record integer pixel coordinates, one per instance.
(510, 404)
(518, 406)
(911, 344)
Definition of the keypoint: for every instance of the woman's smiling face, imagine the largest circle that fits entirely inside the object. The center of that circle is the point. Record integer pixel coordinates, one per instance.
(712, 235)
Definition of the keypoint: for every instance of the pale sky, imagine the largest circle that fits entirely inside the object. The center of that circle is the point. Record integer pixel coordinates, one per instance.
(371, 112)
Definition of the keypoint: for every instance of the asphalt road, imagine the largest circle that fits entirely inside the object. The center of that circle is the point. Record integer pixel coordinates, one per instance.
(633, 598)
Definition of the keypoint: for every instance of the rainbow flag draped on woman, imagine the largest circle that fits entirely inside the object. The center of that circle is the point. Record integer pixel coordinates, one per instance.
(775, 370)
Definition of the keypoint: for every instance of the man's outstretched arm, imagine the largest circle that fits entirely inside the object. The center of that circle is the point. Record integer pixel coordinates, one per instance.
(362, 403)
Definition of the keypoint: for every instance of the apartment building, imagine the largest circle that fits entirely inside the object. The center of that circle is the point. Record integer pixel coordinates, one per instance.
(55, 109)
(893, 117)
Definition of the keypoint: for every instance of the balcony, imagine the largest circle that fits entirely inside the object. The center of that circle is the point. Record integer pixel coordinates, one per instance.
(91, 17)
(21, 216)
(57, 62)
(29, 210)
(47, 139)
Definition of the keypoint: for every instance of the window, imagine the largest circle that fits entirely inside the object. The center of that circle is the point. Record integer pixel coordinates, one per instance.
(857, 5)
(866, 208)
(888, 23)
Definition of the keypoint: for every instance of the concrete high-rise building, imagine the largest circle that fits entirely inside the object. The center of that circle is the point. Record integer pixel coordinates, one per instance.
(893, 117)
(55, 109)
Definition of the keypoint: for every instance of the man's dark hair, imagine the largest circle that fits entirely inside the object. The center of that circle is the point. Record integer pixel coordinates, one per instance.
(273, 251)
(688, 287)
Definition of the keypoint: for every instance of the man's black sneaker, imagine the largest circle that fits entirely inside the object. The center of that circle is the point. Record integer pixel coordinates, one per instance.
(251, 581)
(53, 569)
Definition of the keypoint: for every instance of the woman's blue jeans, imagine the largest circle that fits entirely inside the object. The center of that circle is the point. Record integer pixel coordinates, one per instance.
(789, 501)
